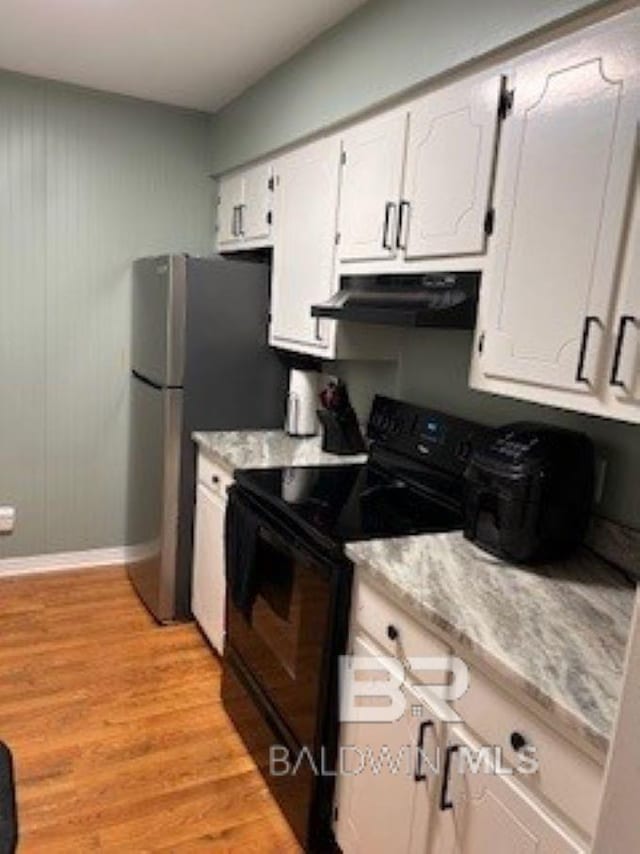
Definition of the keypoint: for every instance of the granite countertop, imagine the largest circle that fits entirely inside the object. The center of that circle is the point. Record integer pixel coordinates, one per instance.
(244, 449)
(557, 632)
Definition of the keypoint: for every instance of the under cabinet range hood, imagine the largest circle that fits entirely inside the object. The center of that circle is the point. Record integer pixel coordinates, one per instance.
(446, 300)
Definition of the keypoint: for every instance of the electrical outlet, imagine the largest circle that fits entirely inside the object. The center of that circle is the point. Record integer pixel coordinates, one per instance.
(7, 519)
(600, 476)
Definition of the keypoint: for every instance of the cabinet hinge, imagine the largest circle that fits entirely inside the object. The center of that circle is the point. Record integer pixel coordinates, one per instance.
(337, 237)
(271, 183)
(505, 103)
(269, 218)
(489, 221)
(481, 343)
(343, 157)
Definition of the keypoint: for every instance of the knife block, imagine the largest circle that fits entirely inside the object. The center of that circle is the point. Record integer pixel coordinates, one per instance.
(341, 432)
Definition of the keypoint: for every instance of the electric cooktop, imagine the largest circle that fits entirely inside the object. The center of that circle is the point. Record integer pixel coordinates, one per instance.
(350, 502)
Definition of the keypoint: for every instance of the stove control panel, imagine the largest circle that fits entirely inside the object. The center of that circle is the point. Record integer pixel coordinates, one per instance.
(434, 437)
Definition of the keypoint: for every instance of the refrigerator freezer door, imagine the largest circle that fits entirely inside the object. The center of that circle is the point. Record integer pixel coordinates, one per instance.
(154, 475)
(158, 319)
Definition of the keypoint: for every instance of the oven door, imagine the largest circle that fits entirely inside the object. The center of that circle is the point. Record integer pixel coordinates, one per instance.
(283, 619)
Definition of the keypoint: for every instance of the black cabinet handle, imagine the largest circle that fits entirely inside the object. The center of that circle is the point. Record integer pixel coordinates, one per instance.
(617, 356)
(234, 221)
(241, 220)
(389, 209)
(419, 776)
(215, 479)
(445, 803)
(403, 218)
(588, 321)
(392, 632)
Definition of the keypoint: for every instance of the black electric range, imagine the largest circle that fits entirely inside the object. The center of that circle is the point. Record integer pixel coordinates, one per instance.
(410, 484)
(289, 586)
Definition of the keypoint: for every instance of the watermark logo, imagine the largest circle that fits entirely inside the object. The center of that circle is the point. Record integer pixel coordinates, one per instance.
(371, 686)
(375, 690)
(354, 760)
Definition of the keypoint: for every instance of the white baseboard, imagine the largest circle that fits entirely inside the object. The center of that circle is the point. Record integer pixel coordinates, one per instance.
(61, 561)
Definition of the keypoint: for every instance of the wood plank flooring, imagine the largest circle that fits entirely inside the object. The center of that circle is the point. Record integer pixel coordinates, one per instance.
(119, 737)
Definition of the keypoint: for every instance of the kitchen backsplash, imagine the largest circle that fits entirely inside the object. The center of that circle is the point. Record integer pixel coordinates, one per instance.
(432, 370)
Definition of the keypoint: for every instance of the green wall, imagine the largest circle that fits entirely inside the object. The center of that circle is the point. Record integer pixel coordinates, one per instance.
(383, 48)
(87, 183)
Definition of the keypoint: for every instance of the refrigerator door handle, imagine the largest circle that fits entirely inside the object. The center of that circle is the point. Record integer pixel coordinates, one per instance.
(141, 378)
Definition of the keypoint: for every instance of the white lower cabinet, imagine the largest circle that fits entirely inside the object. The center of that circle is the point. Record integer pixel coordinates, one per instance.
(385, 798)
(465, 792)
(208, 588)
(484, 812)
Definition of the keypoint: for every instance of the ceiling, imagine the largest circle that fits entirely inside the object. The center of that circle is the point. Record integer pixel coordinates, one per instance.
(192, 53)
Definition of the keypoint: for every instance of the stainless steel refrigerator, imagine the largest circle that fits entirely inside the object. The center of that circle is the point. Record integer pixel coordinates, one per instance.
(200, 361)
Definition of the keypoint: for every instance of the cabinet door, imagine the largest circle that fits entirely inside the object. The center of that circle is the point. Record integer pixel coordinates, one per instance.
(450, 156)
(564, 176)
(229, 201)
(208, 581)
(624, 372)
(372, 160)
(491, 814)
(306, 200)
(386, 809)
(256, 203)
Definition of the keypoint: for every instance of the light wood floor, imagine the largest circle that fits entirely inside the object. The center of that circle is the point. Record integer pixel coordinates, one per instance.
(120, 741)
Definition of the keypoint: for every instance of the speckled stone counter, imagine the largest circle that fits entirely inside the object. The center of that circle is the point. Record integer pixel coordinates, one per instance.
(244, 449)
(556, 632)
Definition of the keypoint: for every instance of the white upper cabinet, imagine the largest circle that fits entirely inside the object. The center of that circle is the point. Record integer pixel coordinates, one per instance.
(450, 155)
(624, 374)
(245, 209)
(564, 180)
(256, 213)
(372, 161)
(306, 203)
(229, 201)
(417, 182)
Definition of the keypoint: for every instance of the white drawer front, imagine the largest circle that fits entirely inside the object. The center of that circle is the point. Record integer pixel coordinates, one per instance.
(213, 476)
(397, 633)
(566, 777)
